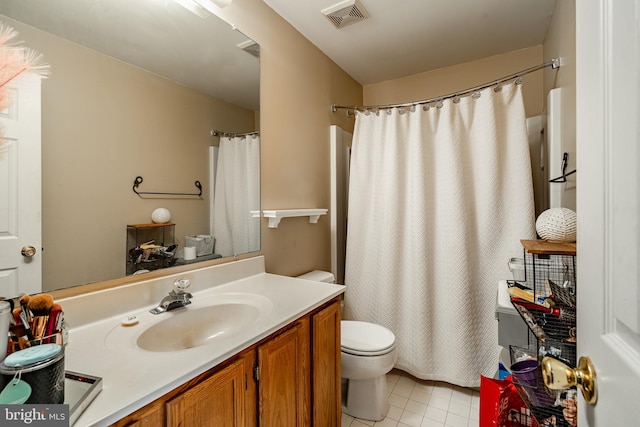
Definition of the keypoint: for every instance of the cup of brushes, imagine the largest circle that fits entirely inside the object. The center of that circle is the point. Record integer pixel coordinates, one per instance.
(37, 320)
(33, 370)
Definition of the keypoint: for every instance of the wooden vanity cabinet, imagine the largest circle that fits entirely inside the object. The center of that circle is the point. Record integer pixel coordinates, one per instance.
(325, 364)
(291, 378)
(224, 396)
(299, 369)
(150, 416)
(284, 378)
(217, 401)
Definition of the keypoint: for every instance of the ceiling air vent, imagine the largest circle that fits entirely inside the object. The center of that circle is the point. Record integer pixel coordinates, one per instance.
(345, 13)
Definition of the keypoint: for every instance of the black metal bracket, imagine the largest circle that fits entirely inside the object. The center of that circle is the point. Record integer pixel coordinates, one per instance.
(138, 181)
(565, 174)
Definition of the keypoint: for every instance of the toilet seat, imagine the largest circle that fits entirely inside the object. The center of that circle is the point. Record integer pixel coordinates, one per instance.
(365, 339)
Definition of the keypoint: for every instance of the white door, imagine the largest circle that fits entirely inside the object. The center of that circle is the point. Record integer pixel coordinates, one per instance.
(340, 157)
(20, 190)
(608, 206)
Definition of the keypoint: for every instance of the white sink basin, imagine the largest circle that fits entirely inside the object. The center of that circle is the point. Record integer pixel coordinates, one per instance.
(201, 323)
(198, 327)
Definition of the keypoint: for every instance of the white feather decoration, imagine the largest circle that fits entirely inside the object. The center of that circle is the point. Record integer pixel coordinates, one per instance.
(15, 60)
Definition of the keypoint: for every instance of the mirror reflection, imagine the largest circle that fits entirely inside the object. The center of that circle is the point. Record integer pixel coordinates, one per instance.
(149, 89)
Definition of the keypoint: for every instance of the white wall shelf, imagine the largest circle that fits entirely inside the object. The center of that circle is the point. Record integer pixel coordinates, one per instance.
(276, 215)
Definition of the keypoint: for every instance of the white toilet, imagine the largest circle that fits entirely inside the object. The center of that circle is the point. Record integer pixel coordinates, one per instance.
(368, 354)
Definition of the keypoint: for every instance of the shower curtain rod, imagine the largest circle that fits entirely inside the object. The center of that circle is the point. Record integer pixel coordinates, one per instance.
(215, 132)
(554, 63)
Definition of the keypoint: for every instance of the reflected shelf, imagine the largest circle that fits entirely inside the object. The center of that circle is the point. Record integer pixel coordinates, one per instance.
(276, 215)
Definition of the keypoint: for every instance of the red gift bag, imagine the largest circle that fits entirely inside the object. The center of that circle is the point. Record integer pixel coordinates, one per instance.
(502, 406)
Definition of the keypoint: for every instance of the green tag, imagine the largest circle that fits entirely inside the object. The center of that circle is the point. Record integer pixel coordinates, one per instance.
(15, 393)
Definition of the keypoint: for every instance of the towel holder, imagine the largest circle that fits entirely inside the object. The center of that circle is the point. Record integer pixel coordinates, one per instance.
(563, 178)
(138, 181)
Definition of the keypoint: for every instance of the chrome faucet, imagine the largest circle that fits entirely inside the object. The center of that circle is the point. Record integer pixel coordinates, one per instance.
(178, 297)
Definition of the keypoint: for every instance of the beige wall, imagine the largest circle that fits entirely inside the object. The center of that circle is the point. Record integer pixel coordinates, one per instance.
(298, 85)
(448, 80)
(105, 122)
(560, 42)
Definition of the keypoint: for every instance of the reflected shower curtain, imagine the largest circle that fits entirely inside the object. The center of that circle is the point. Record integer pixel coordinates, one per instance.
(237, 196)
(438, 203)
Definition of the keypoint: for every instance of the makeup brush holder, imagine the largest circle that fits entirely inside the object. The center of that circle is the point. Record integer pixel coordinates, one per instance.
(5, 321)
(42, 367)
(15, 344)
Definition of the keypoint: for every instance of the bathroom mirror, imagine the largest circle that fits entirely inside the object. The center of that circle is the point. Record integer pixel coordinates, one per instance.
(136, 88)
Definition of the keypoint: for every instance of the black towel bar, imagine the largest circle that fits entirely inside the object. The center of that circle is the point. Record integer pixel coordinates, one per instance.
(139, 180)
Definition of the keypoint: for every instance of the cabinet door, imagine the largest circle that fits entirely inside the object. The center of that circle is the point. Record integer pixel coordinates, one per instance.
(217, 401)
(284, 383)
(150, 416)
(327, 405)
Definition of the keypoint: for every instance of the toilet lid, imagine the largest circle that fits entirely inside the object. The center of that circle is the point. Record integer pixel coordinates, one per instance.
(364, 338)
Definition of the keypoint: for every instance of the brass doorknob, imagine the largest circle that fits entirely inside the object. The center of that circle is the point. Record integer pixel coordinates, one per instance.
(558, 376)
(28, 251)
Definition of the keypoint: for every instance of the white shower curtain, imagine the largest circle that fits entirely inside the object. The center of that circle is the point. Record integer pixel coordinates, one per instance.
(236, 223)
(438, 203)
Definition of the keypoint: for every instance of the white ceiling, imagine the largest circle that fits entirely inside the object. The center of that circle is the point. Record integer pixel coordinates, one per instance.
(400, 38)
(198, 50)
(405, 37)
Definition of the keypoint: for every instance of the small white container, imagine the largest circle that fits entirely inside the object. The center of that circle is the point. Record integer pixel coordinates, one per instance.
(516, 266)
(203, 243)
(189, 253)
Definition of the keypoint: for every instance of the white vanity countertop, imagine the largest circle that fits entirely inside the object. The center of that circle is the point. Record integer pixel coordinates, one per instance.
(133, 377)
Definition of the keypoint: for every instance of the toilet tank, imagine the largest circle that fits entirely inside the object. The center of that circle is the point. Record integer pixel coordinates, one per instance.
(319, 276)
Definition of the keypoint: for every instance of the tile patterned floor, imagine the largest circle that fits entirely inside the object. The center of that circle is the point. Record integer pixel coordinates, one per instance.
(419, 403)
